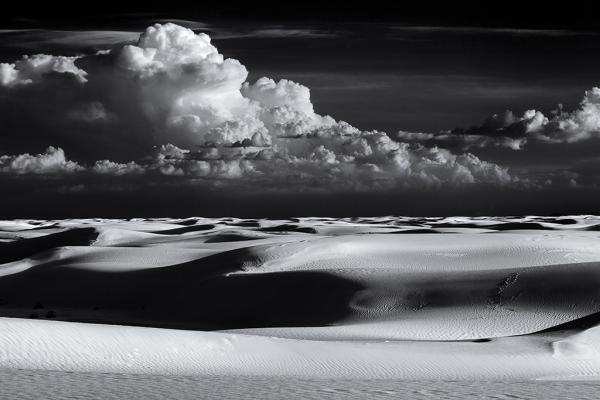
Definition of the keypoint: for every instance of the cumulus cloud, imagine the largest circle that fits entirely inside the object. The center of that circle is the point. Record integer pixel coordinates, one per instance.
(514, 132)
(460, 140)
(175, 93)
(52, 161)
(372, 160)
(581, 124)
(32, 69)
(107, 167)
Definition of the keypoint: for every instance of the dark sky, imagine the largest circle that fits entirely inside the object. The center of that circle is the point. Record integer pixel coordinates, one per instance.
(492, 14)
(387, 67)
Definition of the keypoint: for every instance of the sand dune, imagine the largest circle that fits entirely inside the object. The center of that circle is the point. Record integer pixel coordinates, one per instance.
(24, 248)
(62, 346)
(428, 288)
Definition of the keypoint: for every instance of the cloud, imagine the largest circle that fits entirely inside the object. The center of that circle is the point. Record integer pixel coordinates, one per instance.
(270, 32)
(70, 41)
(32, 69)
(52, 161)
(369, 161)
(473, 30)
(195, 25)
(278, 32)
(107, 167)
(581, 124)
(461, 141)
(176, 106)
(514, 132)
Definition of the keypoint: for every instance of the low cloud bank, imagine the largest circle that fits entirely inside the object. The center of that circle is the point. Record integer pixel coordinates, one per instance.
(52, 161)
(320, 169)
(514, 132)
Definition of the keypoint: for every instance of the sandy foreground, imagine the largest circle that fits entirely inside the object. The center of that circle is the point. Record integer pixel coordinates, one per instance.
(92, 385)
(304, 300)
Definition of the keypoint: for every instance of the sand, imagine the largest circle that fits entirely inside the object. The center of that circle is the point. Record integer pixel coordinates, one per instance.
(28, 384)
(392, 298)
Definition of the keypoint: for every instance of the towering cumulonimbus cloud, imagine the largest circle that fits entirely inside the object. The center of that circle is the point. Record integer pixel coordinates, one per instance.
(174, 104)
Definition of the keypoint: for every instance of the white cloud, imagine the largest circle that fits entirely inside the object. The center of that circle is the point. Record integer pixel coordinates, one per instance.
(462, 141)
(581, 124)
(32, 69)
(510, 131)
(52, 161)
(284, 93)
(107, 167)
(175, 91)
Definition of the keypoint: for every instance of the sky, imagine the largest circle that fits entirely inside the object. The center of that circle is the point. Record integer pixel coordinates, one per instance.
(235, 111)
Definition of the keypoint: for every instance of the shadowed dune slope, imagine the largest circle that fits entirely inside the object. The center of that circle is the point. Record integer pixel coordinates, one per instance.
(194, 295)
(23, 248)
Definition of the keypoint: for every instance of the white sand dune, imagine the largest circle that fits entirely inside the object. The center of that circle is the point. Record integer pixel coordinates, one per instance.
(68, 346)
(373, 297)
